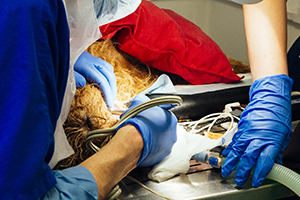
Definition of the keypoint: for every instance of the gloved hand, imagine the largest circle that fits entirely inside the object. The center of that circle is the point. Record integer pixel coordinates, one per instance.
(96, 70)
(158, 129)
(263, 132)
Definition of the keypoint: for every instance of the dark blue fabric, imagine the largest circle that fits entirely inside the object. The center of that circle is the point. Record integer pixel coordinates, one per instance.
(293, 58)
(34, 60)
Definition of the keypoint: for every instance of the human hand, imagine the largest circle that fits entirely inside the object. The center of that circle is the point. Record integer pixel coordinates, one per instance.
(158, 129)
(96, 70)
(264, 130)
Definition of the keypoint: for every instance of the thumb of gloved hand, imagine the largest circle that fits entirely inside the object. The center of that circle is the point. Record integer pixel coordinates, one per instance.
(80, 80)
(95, 70)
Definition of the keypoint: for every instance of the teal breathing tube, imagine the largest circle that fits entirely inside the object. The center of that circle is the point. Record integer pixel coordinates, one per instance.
(279, 173)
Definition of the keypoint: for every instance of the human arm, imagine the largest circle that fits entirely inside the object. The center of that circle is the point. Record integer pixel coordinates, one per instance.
(95, 177)
(95, 70)
(128, 148)
(143, 140)
(265, 125)
(116, 159)
(266, 34)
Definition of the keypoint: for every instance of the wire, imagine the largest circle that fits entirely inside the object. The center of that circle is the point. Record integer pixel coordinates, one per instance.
(116, 191)
(223, 120)
(131, 113)
(213, 120)
(150, 190)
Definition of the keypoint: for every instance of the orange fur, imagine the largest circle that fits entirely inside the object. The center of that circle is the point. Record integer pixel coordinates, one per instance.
(88, 110)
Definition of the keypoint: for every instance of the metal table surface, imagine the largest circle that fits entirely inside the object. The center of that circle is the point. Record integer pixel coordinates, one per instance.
(202, 182)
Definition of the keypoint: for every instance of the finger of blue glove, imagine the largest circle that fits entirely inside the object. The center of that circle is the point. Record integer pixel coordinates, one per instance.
(226, 151)
(248, 161)
(232, 159)
(107, 83)
(167, 106)
(278, 159)
(108, 71)
(79, 79)
(96, 70)
(264, 164)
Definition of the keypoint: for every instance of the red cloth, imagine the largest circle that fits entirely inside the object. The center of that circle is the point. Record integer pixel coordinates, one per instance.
(166, 41)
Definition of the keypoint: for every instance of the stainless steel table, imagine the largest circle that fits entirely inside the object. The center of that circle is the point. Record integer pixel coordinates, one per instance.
(202, 182)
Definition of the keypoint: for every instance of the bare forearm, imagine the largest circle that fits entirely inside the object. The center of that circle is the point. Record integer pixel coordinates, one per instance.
(115, 160)
(265, 25)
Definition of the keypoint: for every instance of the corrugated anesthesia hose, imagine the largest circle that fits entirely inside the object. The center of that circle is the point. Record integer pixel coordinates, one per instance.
(283, 175)
(279, 173)
(286, 177)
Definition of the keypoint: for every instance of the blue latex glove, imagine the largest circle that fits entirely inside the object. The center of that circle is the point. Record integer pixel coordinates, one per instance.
(96, 70)
(263, 132)
(158, 129)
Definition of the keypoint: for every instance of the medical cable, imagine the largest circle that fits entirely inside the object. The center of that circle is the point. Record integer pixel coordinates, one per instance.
(116, 191)
(131, 113)
(215, 119)
(150, 190)
(278, 173)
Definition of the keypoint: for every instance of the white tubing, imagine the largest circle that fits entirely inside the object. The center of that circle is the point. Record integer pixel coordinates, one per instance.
(286, 177)
(282, 175)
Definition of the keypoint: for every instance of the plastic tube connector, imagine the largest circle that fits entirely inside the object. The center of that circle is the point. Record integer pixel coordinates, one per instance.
(214, 161)
(201, 157)
(208, 157)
